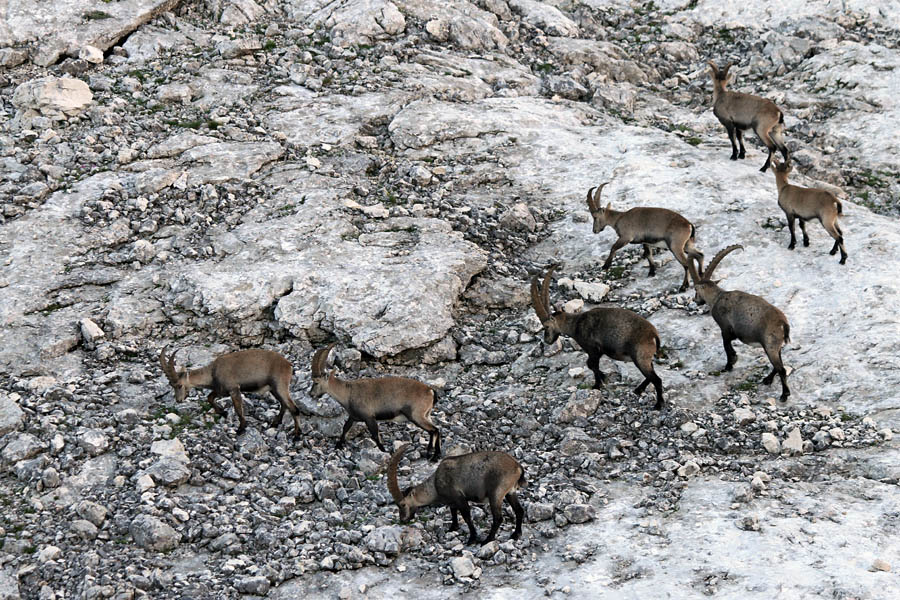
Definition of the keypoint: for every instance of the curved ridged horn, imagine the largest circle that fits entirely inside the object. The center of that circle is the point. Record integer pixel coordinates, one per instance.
(725, 70)
(545, 288)
(717, 259)
(714, 68)
(168, 364)
(594, 201)
(318, 360)
(536, 301)
(393, 485)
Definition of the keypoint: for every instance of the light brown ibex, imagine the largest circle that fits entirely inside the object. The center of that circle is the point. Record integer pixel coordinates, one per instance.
(373, 399)
(475, 477)
(230, 374)
(647, 225)
(806, 204)
(745, 317)
(616, 332)
(738, 111)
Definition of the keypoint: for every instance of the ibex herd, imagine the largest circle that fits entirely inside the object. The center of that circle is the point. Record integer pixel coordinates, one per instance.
(617, 333)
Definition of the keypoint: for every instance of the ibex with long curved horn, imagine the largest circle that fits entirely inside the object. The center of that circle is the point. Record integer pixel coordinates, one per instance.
(373, 399)
(475, 477)
(616, 332)
(647, 225)
(230, 374)
(738, 112)
(745, 317)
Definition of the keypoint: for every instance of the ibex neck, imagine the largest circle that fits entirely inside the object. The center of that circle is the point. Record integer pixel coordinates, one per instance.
(710, 294)
(613, 216)
(781, 181)
(200, 378)
(565, 322)
(424, 494)
(718, 90)
(338, 389)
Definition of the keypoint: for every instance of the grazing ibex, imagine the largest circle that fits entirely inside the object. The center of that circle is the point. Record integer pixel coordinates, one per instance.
(647, 225)
(806, 204)
(616, 332)
(745, 317)
(373, 399)
(230, 374)
(738, 112)
(475, 477)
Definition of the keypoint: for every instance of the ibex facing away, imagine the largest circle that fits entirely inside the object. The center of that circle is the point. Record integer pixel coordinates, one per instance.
(806, 204)
(230, 374)
(647, 225)
(738, 111)
(475, 477)
(373, 399)
(745, 317)
(616, 332)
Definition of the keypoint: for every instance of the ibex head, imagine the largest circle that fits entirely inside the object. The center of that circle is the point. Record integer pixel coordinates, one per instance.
(319, 375)
(703, 285)
(401, 499)
(601, 215)
(540, 300)
(177, 376)
(719, 76)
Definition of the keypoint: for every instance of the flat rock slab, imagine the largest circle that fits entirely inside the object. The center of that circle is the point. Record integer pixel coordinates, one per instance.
(64, 27)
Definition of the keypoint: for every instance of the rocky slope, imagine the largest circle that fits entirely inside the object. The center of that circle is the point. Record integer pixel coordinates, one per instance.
(389, 175)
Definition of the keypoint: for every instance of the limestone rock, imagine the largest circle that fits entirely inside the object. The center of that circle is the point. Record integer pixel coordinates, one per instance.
(54, 97)
(11, 415)
(462, 566)
(152, 534)
(771, 443)
(794, 442)
(21, 447)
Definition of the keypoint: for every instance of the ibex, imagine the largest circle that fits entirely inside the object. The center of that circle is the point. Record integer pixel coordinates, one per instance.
(373, 399)
(616, 332)
(230, 374)
(745, 317)
(738, 112)
(475, 477)
(806, 204)
(646, 225)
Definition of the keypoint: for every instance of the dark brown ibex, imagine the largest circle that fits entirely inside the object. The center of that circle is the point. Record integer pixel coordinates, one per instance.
(806, 204)
(738, 112)
(373, 399)
(230, 374)
(475, 477)
(745, 317)
(616, 332)
(647, 225)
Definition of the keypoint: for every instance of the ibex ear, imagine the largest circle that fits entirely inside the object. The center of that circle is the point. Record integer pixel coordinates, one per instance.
(608, 206)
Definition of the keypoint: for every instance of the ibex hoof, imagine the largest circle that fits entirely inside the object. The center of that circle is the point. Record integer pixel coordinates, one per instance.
(734, 157)
(764, 169)
(768, 380)
(806, 243)
(844, 261)
(516, 535)
(471, 540)
(791, 246)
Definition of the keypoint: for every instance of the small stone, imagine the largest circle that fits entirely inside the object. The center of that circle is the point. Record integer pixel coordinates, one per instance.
(886, 434)
(592, 292)
(689, 427)
(144, 483)
(152, 534)
(744, 416)
(49, 553)
(573, 306)
(519, 218)
(880, 565)
(84, 529)
(488, 550)
(50, 477)
(688, 469)
(90, 333)
(579, 513)
(771, 443)
(93, 441)
(257, 585)
(91, 54)
(794, 442)
(749, 523)
(462, 567)
(93, 512)
(836, 433)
